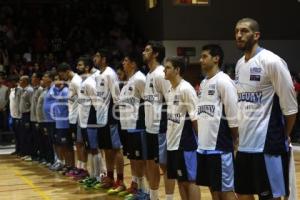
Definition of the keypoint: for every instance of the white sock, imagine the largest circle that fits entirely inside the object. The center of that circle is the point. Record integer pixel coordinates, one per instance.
(91, 168)
(58, 161)
(141, 183)
(83, 165)
(134, 179)
(78, 164)
(55, 157)
(96, 165)
(169, 196)
(102, 164)
(153, 194)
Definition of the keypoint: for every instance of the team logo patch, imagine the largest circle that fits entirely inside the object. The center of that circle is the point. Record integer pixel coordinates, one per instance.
(102, 82)
(254, 77)
(211, 92)
(176, 100)
(255, 70)
(255, 73)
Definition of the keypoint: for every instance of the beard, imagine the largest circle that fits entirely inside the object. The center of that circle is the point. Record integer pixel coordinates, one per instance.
(248, 45)
(80, 72)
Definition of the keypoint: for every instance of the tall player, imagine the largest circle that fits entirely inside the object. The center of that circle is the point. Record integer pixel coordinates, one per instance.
(267, 109)
(109, 139)
(87, 117)
(217, 126)
(156, 119)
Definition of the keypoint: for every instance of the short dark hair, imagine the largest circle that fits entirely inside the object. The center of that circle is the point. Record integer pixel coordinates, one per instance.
(178, 63)
(26, 78)
(159, 48)
(38, 75)
(215, 50)
(135, 57)
(63, 67)
(106, 54)
(87, 61)
(253, 23)
(50, 74)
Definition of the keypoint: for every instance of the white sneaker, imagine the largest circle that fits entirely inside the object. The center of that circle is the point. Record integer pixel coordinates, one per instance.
(28, 159)
(24, 157)
(44, 163)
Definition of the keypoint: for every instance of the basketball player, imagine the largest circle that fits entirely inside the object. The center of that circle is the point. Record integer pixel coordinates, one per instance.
(217, 126)
(74, 82)
(156, 119)
(181, 138)
(109, 137)
(24, 107)
(87, 118)
(132, 117)
(267, 109)
(35, 83)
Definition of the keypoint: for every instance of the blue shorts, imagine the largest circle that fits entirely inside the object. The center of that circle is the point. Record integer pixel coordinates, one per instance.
(90, 138)
(162, 143)
(216, 171)
(182, 165)
(109, 137)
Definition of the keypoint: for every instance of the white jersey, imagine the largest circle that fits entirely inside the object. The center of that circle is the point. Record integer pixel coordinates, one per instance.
(108, 92)
(74, 90)
(182, 100)
(3, 96)
(34, 99)
(14, 101)
(25, 99)
(86, 99)
(39, 107)
(265, 93)
(130, 102)
(217, 113)
(155, 89)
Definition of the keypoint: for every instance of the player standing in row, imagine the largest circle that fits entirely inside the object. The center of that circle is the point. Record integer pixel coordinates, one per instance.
(35, 146)
(132, 118)
(107, 85)
(181, 138)
(14, 100)
(267, 108)
(87, 118)
(24, 107)
(217, 126)
(156, 119)
(74, 82)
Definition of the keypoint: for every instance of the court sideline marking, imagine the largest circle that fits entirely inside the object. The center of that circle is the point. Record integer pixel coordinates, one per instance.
(42, 194)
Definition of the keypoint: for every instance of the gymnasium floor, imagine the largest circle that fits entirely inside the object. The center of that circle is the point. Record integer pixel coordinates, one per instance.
(21, 180)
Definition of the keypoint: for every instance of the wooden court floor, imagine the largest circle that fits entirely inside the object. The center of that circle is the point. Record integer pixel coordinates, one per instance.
(21, 180)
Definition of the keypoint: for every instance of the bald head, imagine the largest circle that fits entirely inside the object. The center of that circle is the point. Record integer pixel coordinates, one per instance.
(253, 24)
